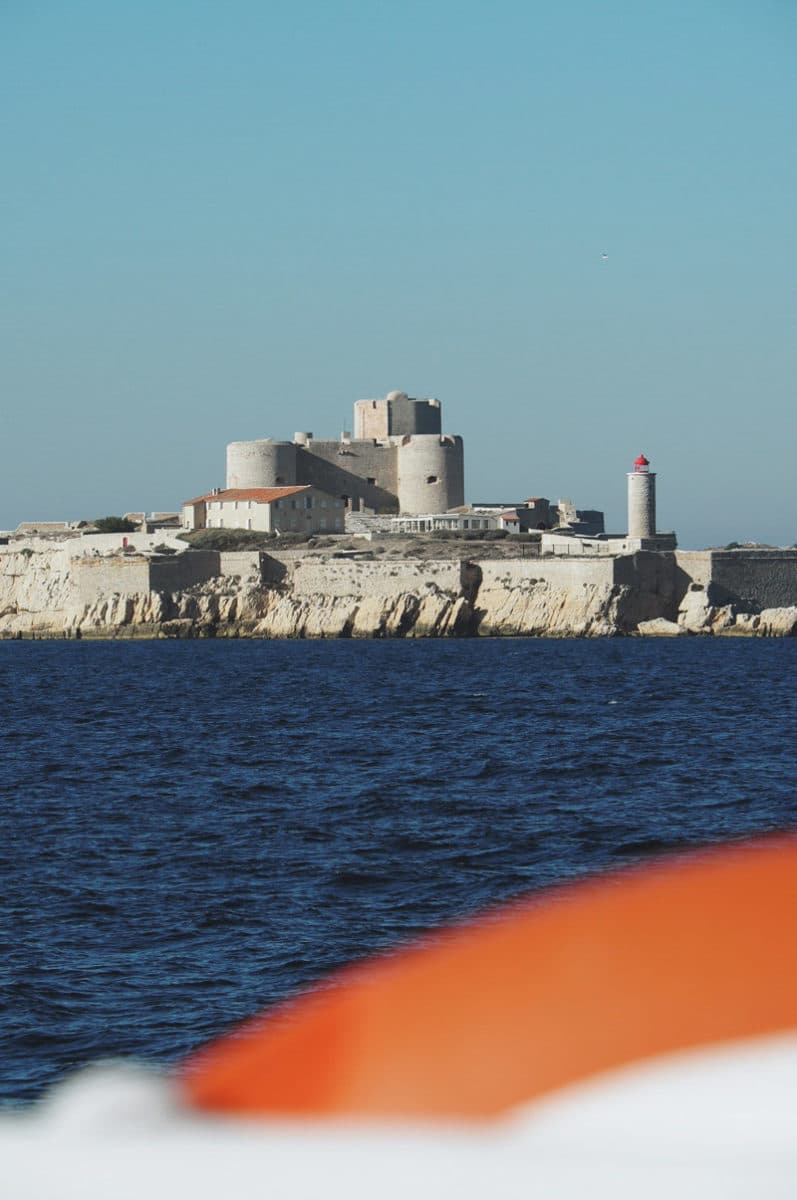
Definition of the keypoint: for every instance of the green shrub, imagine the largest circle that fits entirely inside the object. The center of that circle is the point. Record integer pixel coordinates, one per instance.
(114, 525)
(226, 539)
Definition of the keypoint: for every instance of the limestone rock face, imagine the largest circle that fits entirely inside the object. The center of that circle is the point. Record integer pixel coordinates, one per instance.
(695, 614)
(537, 608)
(325, 597)
(772, 622)
(37, 592)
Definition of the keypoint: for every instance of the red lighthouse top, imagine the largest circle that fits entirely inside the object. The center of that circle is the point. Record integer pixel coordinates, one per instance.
(641, 463)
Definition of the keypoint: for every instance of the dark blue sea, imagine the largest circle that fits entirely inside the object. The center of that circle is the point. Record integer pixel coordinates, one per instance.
(190, 831)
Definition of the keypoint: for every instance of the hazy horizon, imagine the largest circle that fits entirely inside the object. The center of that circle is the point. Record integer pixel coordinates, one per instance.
(572, 225)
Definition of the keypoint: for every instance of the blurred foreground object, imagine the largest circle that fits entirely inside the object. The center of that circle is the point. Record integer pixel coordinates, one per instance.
(630, 1036)
(497, 1012)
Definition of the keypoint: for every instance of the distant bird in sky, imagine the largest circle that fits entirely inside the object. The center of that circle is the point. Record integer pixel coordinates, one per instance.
(604, 256)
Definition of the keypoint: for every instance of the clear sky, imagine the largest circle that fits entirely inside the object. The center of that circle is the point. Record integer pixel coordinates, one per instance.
(231, 220)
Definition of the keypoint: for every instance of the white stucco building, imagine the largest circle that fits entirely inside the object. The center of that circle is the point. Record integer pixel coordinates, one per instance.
(431, 522)
(301, 509)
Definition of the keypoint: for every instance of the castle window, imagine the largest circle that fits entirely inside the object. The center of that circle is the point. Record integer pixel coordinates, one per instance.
(371, 480)
(431, 479)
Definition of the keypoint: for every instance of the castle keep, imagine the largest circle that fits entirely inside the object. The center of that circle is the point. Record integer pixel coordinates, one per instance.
(398, 460)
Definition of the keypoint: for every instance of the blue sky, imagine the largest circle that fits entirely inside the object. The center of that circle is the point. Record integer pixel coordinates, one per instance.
(231, 221)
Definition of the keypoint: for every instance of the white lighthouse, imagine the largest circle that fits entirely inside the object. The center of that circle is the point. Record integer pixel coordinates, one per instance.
(641, 500)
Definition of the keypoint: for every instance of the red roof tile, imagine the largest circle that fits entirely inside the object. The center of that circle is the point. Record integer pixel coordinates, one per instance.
(261, 495)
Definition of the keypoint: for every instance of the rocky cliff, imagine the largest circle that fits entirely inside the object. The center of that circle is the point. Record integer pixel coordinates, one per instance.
(48, 593)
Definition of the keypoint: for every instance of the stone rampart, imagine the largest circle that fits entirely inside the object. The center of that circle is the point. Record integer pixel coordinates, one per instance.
(749, 580)
(358, 577)
(246, 564)
(175, 573)
(253, 593)
(114, 575)
(558, 572)
(137, 575)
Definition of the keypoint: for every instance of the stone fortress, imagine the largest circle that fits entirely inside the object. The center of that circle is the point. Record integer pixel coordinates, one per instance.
(564, 577)
(398, 460)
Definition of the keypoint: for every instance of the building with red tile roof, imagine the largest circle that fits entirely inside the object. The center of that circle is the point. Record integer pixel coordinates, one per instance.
(296, 509)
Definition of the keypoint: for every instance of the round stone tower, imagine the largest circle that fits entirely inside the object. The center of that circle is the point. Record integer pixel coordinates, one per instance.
(430, 473)
(641, 500)
(261, 464)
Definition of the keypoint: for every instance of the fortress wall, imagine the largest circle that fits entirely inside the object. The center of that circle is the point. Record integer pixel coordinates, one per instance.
(343, 469)
(48, 592)
(181, 571)
(650, 572)
(570, 573)
(243, 563)
(753, 580)
(330, 577)
(124, 575)
(692, 572)
(114, 575)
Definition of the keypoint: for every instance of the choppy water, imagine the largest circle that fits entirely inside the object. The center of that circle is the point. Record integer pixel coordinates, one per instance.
(191, 830)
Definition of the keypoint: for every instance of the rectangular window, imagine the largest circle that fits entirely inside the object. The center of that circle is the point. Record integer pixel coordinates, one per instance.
(293, 504)
(371, 480)
(323, 522)
(323, 503)
(276, 503)
(308, 502)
